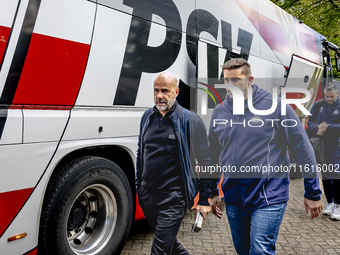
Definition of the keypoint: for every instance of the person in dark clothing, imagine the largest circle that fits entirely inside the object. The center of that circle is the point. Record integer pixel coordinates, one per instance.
(326, 123)
(171, 139)
(256, 190)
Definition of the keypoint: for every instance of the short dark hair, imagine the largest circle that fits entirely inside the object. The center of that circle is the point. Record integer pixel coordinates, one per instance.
(331, 87)
(237, 63)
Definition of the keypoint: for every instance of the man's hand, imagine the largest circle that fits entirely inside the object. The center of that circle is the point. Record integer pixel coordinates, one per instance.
(314, 207)
(216, 206)
(204, 209)
(322, 128)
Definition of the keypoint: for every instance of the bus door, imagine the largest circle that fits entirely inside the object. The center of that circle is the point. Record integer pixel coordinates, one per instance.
(303, 73)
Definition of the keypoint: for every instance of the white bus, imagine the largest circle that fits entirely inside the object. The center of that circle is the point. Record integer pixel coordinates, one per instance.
(75, 78)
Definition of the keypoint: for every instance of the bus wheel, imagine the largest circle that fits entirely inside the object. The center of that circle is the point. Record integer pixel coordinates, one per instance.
(88, 209)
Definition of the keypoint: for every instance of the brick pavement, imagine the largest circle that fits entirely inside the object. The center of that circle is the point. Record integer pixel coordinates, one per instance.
(298, 233)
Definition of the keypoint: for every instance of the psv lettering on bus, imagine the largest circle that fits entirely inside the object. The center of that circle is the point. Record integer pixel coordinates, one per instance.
(134, 63)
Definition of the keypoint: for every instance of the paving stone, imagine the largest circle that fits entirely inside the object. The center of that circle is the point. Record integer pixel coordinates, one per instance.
(298, 233)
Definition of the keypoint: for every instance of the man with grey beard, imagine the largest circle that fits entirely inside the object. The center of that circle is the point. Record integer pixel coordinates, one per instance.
(325, 122)
(171, 139)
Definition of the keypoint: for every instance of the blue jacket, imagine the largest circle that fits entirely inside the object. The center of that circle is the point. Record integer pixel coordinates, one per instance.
(329, 113)
(192, 141)
(260, 144)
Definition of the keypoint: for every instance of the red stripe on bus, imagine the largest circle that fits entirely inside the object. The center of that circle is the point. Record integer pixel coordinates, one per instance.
(274, 35)
(307, 41)
(317, 98)
(52, 72)
(319, 94)
(47, 107)
(16, 106)
(294, 95)
(11, 203)
(40, 107)
(33, 252)
(4, 35)
(271, 31)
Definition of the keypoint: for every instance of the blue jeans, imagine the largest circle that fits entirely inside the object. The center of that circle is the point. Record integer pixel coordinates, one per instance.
(255, 231)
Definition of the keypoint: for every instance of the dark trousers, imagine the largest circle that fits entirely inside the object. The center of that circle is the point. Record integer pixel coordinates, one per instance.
(331, 188)
(164, 212)
(331, 174)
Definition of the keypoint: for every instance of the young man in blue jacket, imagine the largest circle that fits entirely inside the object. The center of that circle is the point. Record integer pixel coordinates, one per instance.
(171, 139)
(252, 151)
(326, 124)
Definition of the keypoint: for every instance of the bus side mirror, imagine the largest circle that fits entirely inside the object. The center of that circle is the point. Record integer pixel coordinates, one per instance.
(337, 61)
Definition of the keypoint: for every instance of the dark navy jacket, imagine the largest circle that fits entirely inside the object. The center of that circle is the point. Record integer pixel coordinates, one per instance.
(259, 142)
(192, 142)
(330, 114)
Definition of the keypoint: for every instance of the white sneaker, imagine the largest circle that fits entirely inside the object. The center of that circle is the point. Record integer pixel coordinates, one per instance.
(336, 212)
(329, 209)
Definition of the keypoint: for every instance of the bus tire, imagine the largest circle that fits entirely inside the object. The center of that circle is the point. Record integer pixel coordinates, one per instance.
(88, 209)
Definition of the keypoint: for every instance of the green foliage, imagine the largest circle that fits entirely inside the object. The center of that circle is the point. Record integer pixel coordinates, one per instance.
(321, 15)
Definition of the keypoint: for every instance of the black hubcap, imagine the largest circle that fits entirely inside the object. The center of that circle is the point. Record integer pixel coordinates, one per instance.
(77, 216)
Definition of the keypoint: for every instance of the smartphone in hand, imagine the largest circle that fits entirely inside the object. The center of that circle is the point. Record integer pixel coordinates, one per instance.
(196, 227)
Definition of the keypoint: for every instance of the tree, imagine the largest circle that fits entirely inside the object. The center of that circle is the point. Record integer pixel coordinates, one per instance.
(321, 15)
